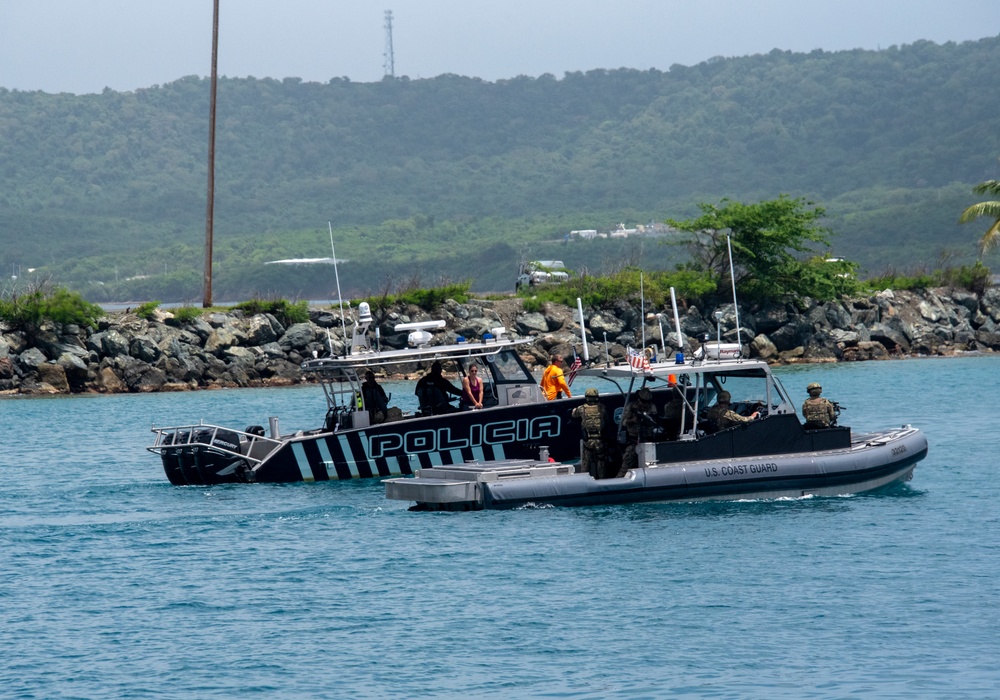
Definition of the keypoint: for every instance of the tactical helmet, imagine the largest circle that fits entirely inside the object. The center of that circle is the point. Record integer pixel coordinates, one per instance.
(645, 394)
(725, 397)
(814, 389)
(591, 394)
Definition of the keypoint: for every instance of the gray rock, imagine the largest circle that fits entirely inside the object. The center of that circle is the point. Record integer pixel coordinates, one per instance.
(144, 348)
(763, 348)
(793, 334)
(141, 377)
(74, 367)
(260, 331)
(32, 358)
(600, 324)
(113, 343)
(297, 336)
(839, 335)
(220, 340)
(890, 336)
(530, 322)
(239, 356)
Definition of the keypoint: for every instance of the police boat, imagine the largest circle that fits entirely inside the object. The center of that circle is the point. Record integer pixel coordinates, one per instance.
(356, 441)
(686, 453)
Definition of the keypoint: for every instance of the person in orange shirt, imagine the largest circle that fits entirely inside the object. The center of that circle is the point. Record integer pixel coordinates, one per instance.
(553, 382)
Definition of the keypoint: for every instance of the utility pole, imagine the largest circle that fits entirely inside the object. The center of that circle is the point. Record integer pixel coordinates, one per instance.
(210, 215)
(390, 61)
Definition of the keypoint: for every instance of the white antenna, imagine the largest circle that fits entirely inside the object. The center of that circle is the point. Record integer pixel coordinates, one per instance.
(677, 321)
(736, 307)
(336, 274)
(583, 332)
(642, 310)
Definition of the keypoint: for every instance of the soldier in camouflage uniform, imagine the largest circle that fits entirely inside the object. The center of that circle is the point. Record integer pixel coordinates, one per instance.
(721, 416)
(818, 412)
(640, 425)
(593, 418)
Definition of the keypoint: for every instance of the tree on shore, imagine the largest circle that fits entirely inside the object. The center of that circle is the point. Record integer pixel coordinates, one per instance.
(773, 245)
(985, 210)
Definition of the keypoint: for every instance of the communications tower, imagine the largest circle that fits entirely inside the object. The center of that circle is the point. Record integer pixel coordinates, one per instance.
(390, 61)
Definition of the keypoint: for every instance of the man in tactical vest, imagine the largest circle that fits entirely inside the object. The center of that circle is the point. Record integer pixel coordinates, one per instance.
(593, 418)
(721, 416)
(640, 424)
(818, 412)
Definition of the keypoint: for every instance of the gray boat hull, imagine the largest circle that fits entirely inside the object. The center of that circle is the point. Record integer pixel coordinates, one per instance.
(872, 461)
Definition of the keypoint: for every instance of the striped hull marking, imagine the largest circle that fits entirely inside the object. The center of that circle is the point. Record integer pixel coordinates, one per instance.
(342, 457)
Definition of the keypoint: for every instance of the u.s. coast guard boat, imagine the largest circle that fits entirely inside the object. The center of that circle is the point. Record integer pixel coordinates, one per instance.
(773, 456)
(515, 422)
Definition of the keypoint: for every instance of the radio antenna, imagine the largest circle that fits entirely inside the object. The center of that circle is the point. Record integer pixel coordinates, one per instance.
(736, 306)
(336, 274)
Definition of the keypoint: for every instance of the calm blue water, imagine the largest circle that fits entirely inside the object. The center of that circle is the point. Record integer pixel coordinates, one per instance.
(114, 584)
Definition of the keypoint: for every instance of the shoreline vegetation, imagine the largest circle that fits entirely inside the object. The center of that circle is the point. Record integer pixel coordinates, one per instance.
(70, 347)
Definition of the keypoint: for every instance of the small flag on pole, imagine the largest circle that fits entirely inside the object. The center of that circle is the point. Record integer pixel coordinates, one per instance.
(638, 360)
(573, 369)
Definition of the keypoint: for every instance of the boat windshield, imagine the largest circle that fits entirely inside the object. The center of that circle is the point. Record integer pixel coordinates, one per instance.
(508, 368)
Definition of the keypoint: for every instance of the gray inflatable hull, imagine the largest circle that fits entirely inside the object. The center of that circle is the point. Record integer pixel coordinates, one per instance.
(873, 461)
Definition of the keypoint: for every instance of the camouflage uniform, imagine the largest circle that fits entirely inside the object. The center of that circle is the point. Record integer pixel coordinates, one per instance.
(721, 416)
(818, 412)
(672, 413)
(593, 418)
(640, 424)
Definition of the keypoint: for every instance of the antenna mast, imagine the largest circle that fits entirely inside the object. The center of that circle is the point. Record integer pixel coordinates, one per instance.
(390, 61)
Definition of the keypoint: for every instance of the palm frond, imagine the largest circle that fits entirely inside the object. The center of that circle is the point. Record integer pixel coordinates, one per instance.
(988, 187)
(979, 211)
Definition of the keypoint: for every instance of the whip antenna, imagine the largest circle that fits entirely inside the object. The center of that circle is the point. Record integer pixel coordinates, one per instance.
(736, 307)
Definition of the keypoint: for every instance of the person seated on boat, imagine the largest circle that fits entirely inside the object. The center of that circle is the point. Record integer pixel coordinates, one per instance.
(374, 398)
(721, 416)
(472, 390)
(593, 417)
(432, 392)
(553, 382)
(639, 421)
(818, 412)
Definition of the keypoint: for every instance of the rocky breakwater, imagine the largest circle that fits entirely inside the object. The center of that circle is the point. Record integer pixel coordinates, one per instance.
(126, 353)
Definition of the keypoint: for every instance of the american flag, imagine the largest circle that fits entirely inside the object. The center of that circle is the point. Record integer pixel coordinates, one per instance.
(573, 369)
(638, 360)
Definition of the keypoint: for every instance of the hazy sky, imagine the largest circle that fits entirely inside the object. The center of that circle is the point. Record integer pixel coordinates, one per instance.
(84, 46)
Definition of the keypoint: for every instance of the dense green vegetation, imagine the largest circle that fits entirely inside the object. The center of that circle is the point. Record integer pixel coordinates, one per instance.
(454, 178)
(29, 310)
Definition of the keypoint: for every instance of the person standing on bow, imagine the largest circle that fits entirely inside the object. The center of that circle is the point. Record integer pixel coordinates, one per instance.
(472, 390)
(593, 417)
(818, 412)
(553, 382)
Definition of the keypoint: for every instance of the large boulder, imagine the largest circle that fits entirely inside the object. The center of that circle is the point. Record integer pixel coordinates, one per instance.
(144, 348)
(220, 340)
(141, 377)
(260, 331)
(605, 324)
(297, 336)
(53, 375)
(110, 382)
(531, 322)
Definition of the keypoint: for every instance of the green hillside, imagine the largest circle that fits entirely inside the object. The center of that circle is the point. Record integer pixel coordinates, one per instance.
(458, 177)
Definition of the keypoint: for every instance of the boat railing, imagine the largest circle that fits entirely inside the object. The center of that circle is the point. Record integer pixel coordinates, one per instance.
(252, 447)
